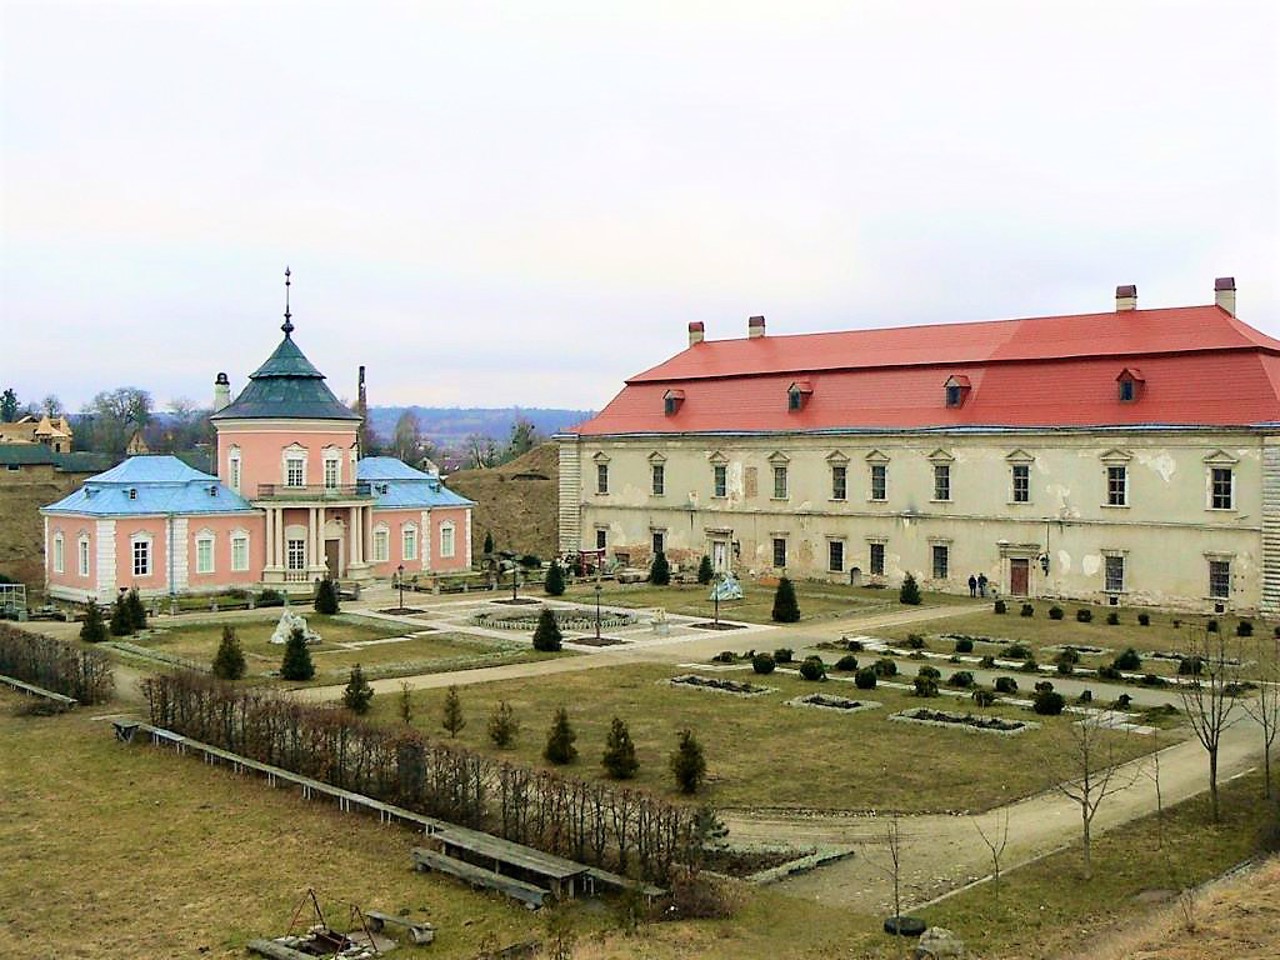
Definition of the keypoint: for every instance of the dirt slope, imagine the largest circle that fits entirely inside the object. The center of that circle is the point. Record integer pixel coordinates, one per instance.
(516, 502)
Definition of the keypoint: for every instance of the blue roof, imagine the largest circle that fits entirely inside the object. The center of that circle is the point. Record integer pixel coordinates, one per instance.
(148, 486)
(394, 483)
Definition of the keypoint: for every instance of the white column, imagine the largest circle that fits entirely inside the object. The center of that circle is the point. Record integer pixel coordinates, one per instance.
(280, 537)
(313, 550)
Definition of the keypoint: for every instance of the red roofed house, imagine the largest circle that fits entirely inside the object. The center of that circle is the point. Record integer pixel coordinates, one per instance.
(1130, 456)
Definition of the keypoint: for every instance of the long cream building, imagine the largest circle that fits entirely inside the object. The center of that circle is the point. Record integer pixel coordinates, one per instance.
(1130, 456)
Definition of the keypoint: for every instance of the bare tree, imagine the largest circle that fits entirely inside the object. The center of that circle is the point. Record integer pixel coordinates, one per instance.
(996, 842)
(1153, 772)
(1265, 708)
(1093, 756)
(1210, 700)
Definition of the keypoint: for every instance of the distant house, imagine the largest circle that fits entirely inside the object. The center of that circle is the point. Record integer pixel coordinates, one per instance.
(52, 432)
(291, 502)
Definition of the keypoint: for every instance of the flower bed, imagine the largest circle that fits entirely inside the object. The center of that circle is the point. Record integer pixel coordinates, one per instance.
(1083, 649)
(965, 721)
(739, 688)
(975, 637)
(572, 619)
(825, 701)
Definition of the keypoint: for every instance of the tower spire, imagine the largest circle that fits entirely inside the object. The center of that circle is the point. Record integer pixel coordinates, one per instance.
(287, 326)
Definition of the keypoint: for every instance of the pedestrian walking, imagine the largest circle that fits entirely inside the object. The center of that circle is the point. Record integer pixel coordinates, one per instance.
(982, 584)
(973, 585)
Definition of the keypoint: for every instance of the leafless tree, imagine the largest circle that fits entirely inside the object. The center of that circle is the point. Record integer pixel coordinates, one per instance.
(1153, 772)
(1265, 708)
(996, 841)
(1210, 701)
(1091, 756)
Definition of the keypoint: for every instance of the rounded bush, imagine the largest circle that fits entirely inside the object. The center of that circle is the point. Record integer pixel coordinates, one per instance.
(983, 698)
(961, 678)
(1043, 686)
(933, 673)
(904, 926)
(1109, 673)
(964, 645)
(1144, 619)
(1055, 612)
(1018, 651)
(853, 646)
(987, 662)
(1006, 685)
(915, 642)
(1027, 610)
(1123, 701)
(1086, 696)
(847, 664)
(1151, 680)
(1113, 619)
(1244, 628)
(1000, 607)
(926, 687)
(1084, 615)
(762, 663)
(1030, 666)
(884, 667)
(1190, 666)
(1129, 660)
(865, 679)
(783, 655)
(1211, 626)
(813, 669)
(725, 656)
(1048, 703)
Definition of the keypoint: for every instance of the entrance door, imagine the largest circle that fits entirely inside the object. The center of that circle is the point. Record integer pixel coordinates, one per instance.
(333, 557)
(1019, 576)
(720, 556)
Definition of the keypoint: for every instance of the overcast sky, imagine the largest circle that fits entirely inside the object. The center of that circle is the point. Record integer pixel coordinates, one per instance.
(524, 203)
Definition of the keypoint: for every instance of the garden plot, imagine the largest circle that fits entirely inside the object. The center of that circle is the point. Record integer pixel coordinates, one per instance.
(738, 688)
(822, 701)
(968, 722)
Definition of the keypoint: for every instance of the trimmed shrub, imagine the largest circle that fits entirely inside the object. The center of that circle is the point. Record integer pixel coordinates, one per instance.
(1190, 666)
(853, 646)
(451, 717)
(1084, 615)
(983, 698)
(229, 662)
(725, 656)
(884, 667)
(847, 664)
(688, 765)
(1043, 685)
(660, 570)
(1006, 685)
(554, 583)
(1030, 666)
(785, 607)
(1048, 703)
(925, 687)
(705, 571)
(1055, 612)
(783, 655)
(865, 679)
(762, 663)
(987, 662)
(619, 758)
(121, 622)
(933, 673)
(1000, 607)
(1244, 628)
(1123, 701)
(1129, 660)
(1144, 619)
(964, 645)
(1027, 610)
(297, 664)
(270, 598)
(137, 612)
(915, 642)
(1211, 626)
(326, 600)
(1109, 673)
(487, 549)
(909, 592)
(1113, 619)
(358, 694)
(813, 669)
(94, 628)
(503, 725)
(1086, 696)
(547, 636)
(560, 749)
(1018, 651)
(961, 678)
(1151, 680)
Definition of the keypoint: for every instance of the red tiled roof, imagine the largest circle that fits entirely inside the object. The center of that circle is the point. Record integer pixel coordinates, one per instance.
(1200, 366)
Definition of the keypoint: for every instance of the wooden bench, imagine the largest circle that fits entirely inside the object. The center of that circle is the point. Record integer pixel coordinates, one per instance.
(65, 702)
(420, 933)
(478, 877)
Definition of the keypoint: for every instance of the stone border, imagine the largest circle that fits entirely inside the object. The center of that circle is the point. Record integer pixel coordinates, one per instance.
(686, 681)
(1085, 650)
(908, 716)
(576, 621)
(854, 706)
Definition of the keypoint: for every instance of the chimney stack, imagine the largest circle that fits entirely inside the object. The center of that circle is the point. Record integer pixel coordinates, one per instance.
(1127, 297)
(697, 332)
(1224, 294)
(755, 327)
(221, 392)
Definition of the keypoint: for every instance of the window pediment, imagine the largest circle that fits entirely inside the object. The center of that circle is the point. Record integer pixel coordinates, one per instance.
(941, 456)
(778, 458)
(657, 457)
(875, 456)
(1220, 458)
(1020, 456)
(601, 457)
(836, 457)
(1116, 456)
(718, 458)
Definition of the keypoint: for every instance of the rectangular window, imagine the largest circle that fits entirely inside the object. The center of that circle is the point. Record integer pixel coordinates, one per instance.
(835, 556)
(142, 558)
(602, 539)
(839, 482)
(658, 479)
(941, 558)
(720, 480)
(602, 478)
(446, 541)
(240, 553)
(659, 542)
(84, 558)
(879, 481)
(1117, 486)
(1220, 579)
(331, 474)
(1021, 483)
(779, 551)
(779, 483)
(296, 551)
(409, 544)
(1221, 492)
(294, 471)
(1113, 574)
(942, 481)
(57, 554)
(877, 560)
(204, 555)
(381, 546)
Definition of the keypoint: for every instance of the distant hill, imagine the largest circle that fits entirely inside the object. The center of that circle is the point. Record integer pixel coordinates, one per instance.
(450, 426)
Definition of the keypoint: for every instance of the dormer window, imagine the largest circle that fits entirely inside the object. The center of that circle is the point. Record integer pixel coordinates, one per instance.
(956, 390)
(798, 394)
(671, 401)
(1130, 383)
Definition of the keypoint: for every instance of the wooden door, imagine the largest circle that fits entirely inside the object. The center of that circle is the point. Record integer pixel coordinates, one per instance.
(333, 557)
(1019, 577)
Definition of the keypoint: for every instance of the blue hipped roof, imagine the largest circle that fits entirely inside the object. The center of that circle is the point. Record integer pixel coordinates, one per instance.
(148, 486)
(396, 484)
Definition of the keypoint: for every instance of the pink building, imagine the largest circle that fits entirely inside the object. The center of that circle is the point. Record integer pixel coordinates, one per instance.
(292, 502)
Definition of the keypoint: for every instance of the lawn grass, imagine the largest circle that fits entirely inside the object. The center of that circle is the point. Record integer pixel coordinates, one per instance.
(761, 753)
(1045, 906)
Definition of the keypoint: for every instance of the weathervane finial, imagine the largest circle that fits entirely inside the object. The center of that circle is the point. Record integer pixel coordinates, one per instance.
(287, 326)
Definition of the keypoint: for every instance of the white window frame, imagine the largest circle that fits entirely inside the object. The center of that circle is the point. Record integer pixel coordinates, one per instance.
(839, 482)
(205, 541)
(409, 541)
(880, 471)
(778, 546)
(381, 545)
(59, 552)
(332, 470)
(141, 558)
(1117, 485)
(1225, 501)
(658, 479)
(1115, 571)
(239, 551)
(295, 553)
(942, 483)
(719, 480)
(234, 469)
(658, 541)
(832, 546)
(1225, 564)
(940, 558)
(1020, 482)
(874, 561)
(781, 482)
(448, 540)
(84, 554)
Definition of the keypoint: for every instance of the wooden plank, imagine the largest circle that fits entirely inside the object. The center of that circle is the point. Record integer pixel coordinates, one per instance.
(31, 688)
(527, 893)
(518, 855)
(420, 933)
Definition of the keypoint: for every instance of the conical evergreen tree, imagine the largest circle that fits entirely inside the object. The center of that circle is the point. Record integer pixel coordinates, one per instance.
(503, 726)
(660, 570)
(137, 612)
(358, 694)
(297, 663)
(121, 621)
(228, 662)
(94, 628)
(547, 636)
(452, 718)
(688, 765)
(326, 597)
(705, 570)
(619, 758)
(560, 749)
(910, 592)
(488, 543)
(554, 584)
(785, 607)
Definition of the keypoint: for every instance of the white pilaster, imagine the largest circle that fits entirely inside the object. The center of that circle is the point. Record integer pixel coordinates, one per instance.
(105, 537)
(467, 539)
(424, 540)
(178, 562)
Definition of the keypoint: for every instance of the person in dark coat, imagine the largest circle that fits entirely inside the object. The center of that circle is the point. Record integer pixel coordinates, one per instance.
(973, 585)
(982, 584)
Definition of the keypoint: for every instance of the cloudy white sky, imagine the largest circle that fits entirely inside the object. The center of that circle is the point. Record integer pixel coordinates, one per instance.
(523, 203)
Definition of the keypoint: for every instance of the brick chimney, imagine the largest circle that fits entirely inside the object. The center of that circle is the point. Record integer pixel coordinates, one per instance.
(755, 327)
(1126, 297)
(697, 332)
(1224, 294)
(221, 392)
